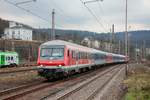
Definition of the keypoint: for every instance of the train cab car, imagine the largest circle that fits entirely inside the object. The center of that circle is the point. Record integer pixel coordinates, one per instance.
(62, 57)
(52, 55)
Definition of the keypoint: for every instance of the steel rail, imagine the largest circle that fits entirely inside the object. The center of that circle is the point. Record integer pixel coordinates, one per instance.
(85, 84)
(103, 86)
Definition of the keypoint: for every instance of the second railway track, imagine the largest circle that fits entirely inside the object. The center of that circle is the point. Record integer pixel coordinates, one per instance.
(17, 71)
(78, 92)
(18, 93)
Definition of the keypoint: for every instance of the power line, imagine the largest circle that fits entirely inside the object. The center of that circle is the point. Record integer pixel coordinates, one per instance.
(92, 1)
(62, 13)
(23, 2)
(26, 10)
(93, 15)
(102, 11)
(32, 13)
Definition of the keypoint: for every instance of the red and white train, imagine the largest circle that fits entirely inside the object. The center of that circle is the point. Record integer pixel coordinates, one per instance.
(60, 58)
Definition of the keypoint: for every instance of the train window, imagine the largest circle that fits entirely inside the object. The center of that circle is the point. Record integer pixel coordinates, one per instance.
(79, 55)
(57, 52)
(68, 53)
(73, 54)
(8, 58)
(82, 55)
(11, 58)
(52, 53)
(46, 52)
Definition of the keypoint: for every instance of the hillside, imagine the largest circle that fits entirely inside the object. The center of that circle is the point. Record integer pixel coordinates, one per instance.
(77, 36)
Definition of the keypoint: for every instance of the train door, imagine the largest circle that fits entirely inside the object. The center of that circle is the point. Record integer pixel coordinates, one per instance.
(76, 53)
(2, 60)
(69, 57)
(77, 60)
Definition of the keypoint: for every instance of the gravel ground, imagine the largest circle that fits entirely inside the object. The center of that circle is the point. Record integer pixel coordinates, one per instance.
(21, 78)
(115, 88)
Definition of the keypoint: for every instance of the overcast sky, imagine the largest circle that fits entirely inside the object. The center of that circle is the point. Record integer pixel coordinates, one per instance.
(71, 14)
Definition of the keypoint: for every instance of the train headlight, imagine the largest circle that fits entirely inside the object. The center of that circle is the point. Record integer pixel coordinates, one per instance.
(60, 65)
(41, 65)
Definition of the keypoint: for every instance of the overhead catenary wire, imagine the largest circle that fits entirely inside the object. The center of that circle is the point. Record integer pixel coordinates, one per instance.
(97, 19)
(102, 11)
(23, 2)
(26, 10)
(32, 13)
(67, 19)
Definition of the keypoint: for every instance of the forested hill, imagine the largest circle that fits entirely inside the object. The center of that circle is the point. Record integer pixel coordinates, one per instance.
(76, 35)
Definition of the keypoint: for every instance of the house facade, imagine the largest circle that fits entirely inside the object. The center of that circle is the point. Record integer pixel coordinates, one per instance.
(18, 31)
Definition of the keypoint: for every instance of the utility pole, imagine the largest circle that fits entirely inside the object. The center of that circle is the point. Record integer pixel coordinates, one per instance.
(129, 36)
(136, 53)
(126, 37)
(126, 31)
(129, 41)
(119, 47)
(53, 25)
(110, 41)
(144, 49)
(13, 48)
(113, 38)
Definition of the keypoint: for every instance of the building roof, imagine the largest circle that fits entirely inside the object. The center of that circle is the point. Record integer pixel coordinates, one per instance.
(24, 27)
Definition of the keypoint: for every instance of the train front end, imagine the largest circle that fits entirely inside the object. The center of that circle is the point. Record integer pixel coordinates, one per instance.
(50, 60)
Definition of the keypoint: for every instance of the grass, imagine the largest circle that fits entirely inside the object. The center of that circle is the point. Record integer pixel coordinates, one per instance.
(138, 84)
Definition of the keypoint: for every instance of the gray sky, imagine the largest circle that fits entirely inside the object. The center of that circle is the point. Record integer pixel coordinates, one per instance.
(71, 14)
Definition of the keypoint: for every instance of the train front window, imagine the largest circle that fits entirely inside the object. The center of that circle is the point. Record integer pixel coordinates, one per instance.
(52, 53)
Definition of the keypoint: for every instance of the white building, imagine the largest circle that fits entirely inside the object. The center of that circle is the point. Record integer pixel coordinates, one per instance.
(18, 31)
(90, 42)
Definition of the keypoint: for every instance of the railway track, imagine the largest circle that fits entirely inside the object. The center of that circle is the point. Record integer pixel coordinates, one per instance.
(75, 93)
(17, 71)
(18, 92)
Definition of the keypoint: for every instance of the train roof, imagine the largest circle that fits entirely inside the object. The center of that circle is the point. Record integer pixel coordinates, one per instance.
(9, 52)
(61, 42)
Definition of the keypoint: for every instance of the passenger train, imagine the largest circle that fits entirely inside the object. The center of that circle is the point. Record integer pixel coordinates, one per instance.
(60, 58)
